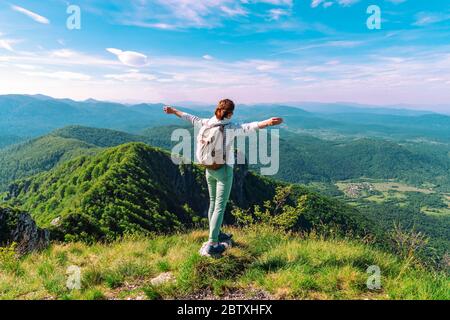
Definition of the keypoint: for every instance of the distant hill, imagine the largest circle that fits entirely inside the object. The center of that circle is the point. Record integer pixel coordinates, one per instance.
(97, 136)
(304, 158)
(30, 116)
(342, 107)
(38, 155)
(43, 153)
(8, 140)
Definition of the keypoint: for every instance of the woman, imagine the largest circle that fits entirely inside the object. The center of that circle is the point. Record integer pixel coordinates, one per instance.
(220, 180)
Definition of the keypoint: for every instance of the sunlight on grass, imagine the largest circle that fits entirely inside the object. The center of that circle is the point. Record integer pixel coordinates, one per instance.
(283, 265)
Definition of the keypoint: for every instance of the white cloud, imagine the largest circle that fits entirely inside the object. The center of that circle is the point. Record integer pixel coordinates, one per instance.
(162, 26)
(62, 58)
(232, 12)
(347, 3)
(26, 66)
(333, 62)
(305, 79)
(129, 58)
(267, 67)
(426, 18)
(7, 44)
(273, 2)
(397, 1)
(182, 14)
(64, 53)
(60, 75)
(276, 14)
(327, 44)
(207, 57)
(326, 4)
(36, 17)
(133, 75)
(316, 3)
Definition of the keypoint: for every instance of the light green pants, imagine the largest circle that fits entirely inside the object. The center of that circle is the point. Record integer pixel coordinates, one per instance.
(219, 187)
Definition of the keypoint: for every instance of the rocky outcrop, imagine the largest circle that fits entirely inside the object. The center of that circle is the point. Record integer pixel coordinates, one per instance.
(18, 227)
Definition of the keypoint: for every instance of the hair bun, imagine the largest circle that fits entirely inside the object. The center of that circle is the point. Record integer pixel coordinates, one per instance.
(224, 108)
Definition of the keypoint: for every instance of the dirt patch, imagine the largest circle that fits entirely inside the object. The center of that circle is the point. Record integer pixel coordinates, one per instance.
(235, 294)
(128, 291)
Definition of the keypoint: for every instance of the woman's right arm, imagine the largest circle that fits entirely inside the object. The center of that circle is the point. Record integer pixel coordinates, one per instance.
(183, 115)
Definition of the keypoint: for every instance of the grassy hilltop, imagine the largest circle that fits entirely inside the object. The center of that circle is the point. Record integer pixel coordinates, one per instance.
(265, 264)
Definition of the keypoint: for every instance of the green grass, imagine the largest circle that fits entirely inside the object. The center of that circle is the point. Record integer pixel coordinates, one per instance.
(284, 266)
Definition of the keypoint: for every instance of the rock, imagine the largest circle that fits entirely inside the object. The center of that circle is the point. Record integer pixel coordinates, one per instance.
(20, 228)
(56, 222)
(163, 278)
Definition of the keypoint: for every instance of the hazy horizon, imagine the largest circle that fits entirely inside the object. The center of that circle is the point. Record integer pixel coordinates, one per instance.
(436, 109)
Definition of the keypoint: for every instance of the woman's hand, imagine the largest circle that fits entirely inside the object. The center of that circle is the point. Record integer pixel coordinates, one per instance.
(169, 110)
(274, 121)
(270, 122)
(172, 110)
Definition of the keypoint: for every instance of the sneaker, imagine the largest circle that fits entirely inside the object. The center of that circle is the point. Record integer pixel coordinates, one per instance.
(225, 237)
(217, 249)
(207, 250)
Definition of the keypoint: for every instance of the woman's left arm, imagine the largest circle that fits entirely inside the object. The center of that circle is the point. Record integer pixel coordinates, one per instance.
(270, 122)
(248, 128)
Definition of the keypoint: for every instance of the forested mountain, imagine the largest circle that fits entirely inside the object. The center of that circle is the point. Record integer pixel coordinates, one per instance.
(306, 159)
(303, 158)
(44, 153)
(97, 136)
(38, 155)
(8, 140)
(137, 188)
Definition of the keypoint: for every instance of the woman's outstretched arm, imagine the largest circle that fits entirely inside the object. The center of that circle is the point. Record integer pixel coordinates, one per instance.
(172, 110)
(183, 115)
(248, 128)
(270, 122)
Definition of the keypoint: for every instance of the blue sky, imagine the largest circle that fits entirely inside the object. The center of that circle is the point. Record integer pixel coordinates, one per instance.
(248, 50)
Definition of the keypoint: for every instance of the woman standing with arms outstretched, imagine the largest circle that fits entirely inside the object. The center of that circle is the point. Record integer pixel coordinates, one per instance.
(220, 176)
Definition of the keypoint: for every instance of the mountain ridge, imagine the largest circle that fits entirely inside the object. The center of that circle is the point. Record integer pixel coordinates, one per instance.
(134, 187)
(30, 116)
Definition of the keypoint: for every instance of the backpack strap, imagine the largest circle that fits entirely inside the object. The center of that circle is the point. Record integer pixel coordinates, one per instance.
(224, 147)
